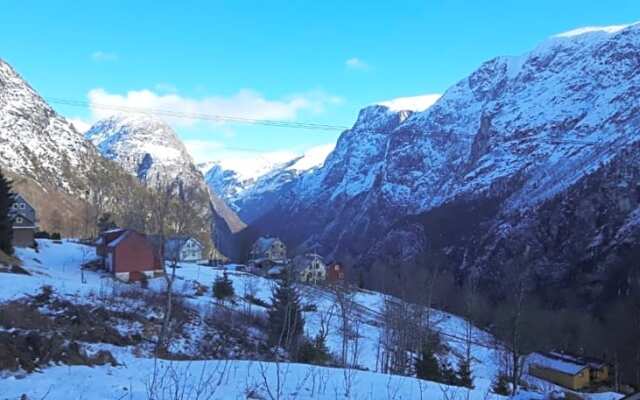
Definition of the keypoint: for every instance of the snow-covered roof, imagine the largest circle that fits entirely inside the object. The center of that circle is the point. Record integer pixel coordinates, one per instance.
(114, 230)
(556, 363)
(264, 243)
(301, 262)
(119, 240)
(589, 361)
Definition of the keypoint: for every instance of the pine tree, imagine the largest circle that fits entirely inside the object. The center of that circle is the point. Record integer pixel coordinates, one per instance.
(448, 373)
(501, 385)
(286, 324)
(223, 287)
(105, 222)
(427, 365)
(6, 220)
(464, 375)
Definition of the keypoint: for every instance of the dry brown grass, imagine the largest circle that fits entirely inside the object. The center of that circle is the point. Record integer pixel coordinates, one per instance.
(9, 260)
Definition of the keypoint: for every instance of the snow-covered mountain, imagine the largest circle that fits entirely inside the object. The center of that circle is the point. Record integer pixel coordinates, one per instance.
(35, 141)
(239, 186)
(147, 147)
(518, 134)
(49, 161)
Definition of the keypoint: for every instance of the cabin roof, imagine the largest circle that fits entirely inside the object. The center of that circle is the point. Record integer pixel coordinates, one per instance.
(557, 363)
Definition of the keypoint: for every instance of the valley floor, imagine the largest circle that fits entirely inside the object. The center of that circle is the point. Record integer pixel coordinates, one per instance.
(233, 375)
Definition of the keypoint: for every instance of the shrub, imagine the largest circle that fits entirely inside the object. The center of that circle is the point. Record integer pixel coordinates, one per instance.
(313, 351)
(223, 287)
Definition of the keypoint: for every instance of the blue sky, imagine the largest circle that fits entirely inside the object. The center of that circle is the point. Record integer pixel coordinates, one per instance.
(307, 61)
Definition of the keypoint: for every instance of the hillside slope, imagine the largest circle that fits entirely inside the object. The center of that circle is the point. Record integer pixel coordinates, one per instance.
(516, 135)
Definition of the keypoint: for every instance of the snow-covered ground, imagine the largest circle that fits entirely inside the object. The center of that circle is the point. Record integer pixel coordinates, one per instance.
(58, 265)
(226, 380)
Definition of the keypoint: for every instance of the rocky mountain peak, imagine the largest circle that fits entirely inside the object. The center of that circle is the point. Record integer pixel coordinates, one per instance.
(145, 146)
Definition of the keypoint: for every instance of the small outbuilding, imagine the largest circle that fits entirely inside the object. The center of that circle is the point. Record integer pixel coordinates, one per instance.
(568, 371)
(335, 273)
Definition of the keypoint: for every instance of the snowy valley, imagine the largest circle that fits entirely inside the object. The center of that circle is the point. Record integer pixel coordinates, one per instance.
(216, 350)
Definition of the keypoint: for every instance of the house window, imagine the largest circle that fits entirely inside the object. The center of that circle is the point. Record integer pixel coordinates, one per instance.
(22, 206)
(14, 206)
(19, 220)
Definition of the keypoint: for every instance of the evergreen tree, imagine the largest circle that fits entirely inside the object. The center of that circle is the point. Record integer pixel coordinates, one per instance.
(464, 375)
(448, 374)
(223, 287)
(313, 351)
(286, 324)
(427, 365)
(105, 222)
(6, 220)
(501, 385)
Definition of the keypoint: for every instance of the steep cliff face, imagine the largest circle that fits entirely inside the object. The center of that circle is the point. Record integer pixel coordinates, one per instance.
(511, 139)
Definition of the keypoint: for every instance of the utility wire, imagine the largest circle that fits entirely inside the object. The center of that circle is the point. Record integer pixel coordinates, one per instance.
(199, 116)
(253, 121)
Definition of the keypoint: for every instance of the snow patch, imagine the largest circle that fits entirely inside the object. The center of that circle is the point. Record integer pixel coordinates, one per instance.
(412, 103)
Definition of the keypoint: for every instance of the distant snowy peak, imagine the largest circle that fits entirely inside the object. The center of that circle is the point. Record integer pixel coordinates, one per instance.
(235, 178)
(594, 29)
(413, 103)
(145, 146)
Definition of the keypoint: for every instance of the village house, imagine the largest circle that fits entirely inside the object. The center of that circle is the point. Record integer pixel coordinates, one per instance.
(270, 248)
(183, 248)
(309, 268)
(335, 273)
(266, 253)
(129, 255)
(570, 371)
(23, 216)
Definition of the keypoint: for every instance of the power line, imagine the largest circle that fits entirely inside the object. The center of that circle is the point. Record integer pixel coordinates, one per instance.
(199, 116)
(253, 121)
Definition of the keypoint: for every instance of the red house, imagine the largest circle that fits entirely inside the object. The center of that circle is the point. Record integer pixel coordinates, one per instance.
(129, 255)
(335, 273)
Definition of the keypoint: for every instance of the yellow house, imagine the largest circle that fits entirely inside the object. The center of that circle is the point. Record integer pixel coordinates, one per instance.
(559, 370)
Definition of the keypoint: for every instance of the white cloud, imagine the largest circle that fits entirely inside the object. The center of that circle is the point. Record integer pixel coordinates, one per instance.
(356, 63)
(413, 103)
(246, 104)
(102, 56)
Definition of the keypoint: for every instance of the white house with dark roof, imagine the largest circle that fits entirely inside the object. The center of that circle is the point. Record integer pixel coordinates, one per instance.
(309, 268)
(270, 248)
(183, 248)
